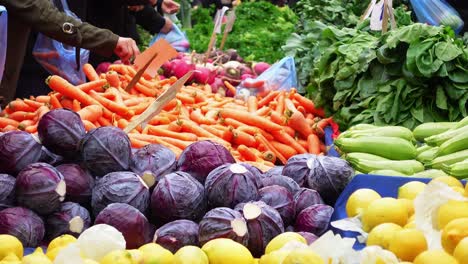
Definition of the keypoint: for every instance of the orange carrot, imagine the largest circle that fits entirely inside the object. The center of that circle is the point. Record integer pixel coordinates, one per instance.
(252, 104)
(217, 140)
(198, 117)
(97, 85)
(186, 99)
(309, 105)
(120, 68)
(43, 99)
(246, 153)
(19, 105)
(285, 138)
(104, 122)
(91, 113)
(21, 115)
(230, 87)
(254, 130)
(76, 105)
(303, 143)
(271, 148)
(242, 138)
(176, 142)
(232, 122)
(90, 72)
(212, 115)
(223, 134)
(291, 132)
(134, 101)
(54, 102)
(42, 111)
(169, 106)
(88, 125)
(281, 100)
(157, 131)
(269, 156)
(302, 110)
(33, 104)
(9, 128)
(174, 126)
(314, 144)
(7, 121)
(112, 78)
(267, 99)
(66, 103)
(192, 127)
(277, 118)
(136, 143)
(140, 108)
(287, 151)
(31, 129)
(298, 122)
(290, 105)
(146, 90)
(250, 119)
(114, 107)
(263, 111)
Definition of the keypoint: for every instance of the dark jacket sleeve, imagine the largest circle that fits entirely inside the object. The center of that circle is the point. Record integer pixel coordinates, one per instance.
(45, 18)
(150, 19)
(133, 2)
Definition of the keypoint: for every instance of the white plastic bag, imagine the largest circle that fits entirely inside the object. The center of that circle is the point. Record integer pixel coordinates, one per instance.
(3, 38)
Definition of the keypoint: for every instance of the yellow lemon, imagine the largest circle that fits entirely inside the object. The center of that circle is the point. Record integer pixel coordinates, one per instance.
(409, 225)
(275, 257)
(381, 234)
(303, 256)
(359, 200)
(406, 244)
(117, 257)
(409, 204)
(453, 233)
(461, 251)
(450, 211)
(410, 190)
(10, 259)
(154, 253)
(227, 251)
(60, 241)
(10, 244)
(449, 180)
(282, 239)
(459, 190)
(435, 257)
(385, 210)
(37, 257)
(256, 260)
(89, 261)
(190, 255)
(52, 254)
(405, 262)
(137, 256)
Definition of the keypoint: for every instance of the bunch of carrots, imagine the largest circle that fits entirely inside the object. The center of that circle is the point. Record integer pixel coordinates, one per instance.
(261, 130)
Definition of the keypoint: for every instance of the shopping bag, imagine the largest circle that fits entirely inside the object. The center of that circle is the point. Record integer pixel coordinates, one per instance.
(436, 13)
(175, 37)
(3, 38)
(280, 76)
(58, 58)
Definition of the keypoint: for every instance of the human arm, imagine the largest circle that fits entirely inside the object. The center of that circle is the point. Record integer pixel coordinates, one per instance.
(152, 21)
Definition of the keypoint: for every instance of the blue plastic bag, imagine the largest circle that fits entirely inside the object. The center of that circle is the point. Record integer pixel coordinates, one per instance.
(58, 58)
(3, 38)
(436, 13)
(175, 37)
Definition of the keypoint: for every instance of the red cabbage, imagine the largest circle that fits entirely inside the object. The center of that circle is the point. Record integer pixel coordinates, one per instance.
(314, 219)
(283, 181)
(305, 198)
(200, 158)
(18, 149)
(256, 172)
(177, 234)
(41, 188)
(60, 131)
(178, 196)
(223, 222)
(79, 183)
(281, 199)
(229, 185)
(50, 158)
(309, 237)
(120, 187)
(70, 219)
(7, 191)
(23, 224)
(275, 171)
(133, 225)
(105, 150)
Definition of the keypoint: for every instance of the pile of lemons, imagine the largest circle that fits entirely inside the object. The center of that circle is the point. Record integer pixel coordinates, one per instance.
(390, 223)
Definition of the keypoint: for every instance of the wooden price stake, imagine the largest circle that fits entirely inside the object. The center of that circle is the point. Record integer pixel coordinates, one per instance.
(216, 30)
(379, 14)
(231, 18)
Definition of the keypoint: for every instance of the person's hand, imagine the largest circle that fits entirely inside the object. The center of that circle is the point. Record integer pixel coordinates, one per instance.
(167, 27)
(137, 8)
(170, 7)
(126, 49)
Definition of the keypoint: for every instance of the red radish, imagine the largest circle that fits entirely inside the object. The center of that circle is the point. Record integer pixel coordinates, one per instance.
(162, 77)
(246, 76)
(117, 62)
(167, 67)
(217, 84)
(246, 70)
(260, 67)
(204, 75)
(102, 67)
(181, 67)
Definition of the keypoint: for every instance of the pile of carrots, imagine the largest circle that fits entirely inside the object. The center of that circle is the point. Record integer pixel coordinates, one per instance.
(261, 130)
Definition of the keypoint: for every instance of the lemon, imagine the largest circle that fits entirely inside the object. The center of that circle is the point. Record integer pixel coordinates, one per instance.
(275, 257)
(117, 257)
(52, 254)
(190, 255)
(303, 256)
(381, 234)
(282, 239)
(256, 260)
(453, 233)
(37, 257)
(61, 241)
(450, 211)
(410, 224)
(10, 244)
(461, 251)
(409, 204)
(459, 190)
(89, 261)
(359, 200)
(137, 256)
(384, 210)
(405, 262)
(435, 257)
(449, 180)
(410, 190)
(406, 244)
(154, 253)
(227, 251)
(11, 258)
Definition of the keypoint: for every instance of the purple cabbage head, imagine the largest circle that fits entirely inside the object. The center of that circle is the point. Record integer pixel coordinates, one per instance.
(70, 219)
(23, 224)
(309, 237)
(256, 172)
(105, 150)
(7, 191)
(79, 183)
(200, 158)
(50, 158)
(41, 188)
(18, 149)
(60, 131)
(305, 198)
(327, 175)
(120, 187)
(229, 185)
(281, 199)
(152, 162)
(133, 225)
(283, 181)
(314, 219)
(275, 171)
(179, 233)
(223, 222)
